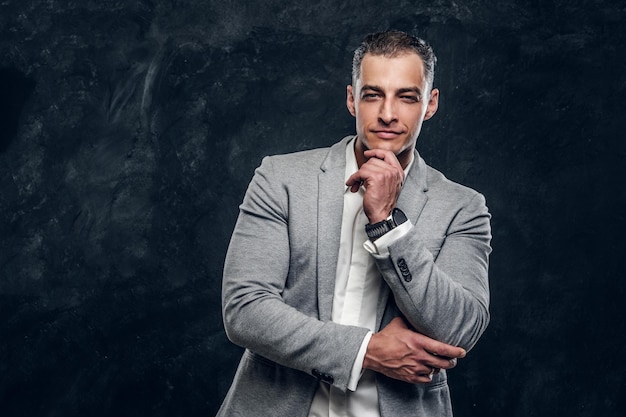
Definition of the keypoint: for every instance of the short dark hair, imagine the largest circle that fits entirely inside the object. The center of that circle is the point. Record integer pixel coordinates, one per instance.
(391, 44)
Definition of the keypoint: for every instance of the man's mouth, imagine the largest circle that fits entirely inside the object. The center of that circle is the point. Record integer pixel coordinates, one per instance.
(386, 133)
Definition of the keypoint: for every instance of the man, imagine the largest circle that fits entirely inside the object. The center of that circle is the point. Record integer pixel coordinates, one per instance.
(356, 275)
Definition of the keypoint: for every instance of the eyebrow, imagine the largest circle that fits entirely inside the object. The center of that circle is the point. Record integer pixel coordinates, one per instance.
(415, 90)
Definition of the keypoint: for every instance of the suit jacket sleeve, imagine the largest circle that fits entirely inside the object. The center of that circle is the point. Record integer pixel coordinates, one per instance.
(256, 314)
(441, 285)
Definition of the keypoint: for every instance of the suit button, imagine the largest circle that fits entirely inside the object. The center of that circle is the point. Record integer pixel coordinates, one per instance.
(323, 376)
(404, 270)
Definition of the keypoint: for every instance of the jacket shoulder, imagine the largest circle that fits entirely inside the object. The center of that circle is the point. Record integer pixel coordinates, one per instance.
(295, 167)
(308, 158)
(447, 188)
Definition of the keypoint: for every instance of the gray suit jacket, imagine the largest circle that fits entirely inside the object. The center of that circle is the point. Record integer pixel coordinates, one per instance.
(279, 280)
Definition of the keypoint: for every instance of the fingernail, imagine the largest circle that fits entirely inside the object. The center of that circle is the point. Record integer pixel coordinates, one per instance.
(463, 353)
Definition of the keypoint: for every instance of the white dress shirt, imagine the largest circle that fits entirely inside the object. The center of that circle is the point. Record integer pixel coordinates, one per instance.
(357, 290)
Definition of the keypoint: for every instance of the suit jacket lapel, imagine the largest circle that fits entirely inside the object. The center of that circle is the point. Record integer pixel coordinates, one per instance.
(331, 188)
(413, 196)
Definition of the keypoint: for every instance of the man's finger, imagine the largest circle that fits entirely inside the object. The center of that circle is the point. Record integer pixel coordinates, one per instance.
(387, 156)
(449, 352)
(355, 181)
(445, 350)
(440, 362)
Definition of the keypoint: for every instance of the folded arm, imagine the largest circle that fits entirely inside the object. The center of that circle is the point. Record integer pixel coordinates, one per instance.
(444, 296)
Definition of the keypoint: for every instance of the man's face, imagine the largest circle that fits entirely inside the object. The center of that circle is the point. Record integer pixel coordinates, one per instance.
(390, 101)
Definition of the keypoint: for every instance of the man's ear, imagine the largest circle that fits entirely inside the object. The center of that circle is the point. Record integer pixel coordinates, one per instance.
(350, 100)
(433, 104)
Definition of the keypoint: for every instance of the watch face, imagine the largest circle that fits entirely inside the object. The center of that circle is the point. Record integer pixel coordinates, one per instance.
(398, 216)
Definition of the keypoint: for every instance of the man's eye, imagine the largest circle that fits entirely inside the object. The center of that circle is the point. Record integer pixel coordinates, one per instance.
(370, 96)
(410, 99)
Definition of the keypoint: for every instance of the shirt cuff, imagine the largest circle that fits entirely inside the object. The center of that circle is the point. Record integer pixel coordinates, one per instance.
(381, 246)
(357, 367)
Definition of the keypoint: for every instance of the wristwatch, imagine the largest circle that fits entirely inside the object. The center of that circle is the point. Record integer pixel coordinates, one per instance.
(376, 230)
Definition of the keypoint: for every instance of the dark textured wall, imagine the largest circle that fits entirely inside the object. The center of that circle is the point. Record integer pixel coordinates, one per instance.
(129, 131)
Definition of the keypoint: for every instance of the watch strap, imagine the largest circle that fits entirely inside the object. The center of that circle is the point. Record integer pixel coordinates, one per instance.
(377, 230)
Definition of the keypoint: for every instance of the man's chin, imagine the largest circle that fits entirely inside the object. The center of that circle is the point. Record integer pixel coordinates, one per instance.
(386, 145)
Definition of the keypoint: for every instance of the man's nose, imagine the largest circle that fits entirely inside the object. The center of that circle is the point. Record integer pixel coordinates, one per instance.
(387, 113)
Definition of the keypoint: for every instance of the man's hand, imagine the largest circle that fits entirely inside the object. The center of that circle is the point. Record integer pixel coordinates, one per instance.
(400, 353)
(382, 176)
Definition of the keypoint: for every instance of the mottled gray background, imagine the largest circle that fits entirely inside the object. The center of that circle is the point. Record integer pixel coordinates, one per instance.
(130, 129)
